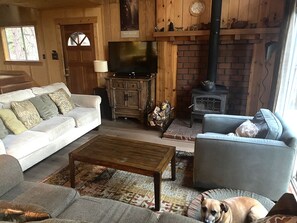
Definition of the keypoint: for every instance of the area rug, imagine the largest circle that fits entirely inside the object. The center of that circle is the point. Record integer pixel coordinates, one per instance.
(180, 129)
(134, 189)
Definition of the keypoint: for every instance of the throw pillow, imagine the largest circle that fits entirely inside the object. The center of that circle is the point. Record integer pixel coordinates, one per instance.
(11, 121)
(277, 219)
(45, 106)
(15, 212)
(268, 124)
(26, 112)
(3, 130)
(247, 129)
(62, 100)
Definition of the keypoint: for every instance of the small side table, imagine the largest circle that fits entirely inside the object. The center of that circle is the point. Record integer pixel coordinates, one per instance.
(104, 107)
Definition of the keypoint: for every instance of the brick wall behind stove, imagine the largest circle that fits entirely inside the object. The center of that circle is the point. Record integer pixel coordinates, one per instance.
(233, 71)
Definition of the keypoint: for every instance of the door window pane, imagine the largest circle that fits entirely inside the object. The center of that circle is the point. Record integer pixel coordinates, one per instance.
(78, 39)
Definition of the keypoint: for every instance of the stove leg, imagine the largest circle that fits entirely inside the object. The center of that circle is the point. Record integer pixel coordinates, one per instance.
(191, 121)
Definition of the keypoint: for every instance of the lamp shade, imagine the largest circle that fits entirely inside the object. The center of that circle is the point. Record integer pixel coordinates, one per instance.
(100, 66)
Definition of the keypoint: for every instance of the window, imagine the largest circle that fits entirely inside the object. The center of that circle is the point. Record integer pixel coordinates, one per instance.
(20, 43)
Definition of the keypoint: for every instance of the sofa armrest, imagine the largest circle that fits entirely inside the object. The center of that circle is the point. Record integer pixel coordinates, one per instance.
(220, 123)
(10, 173)
(88, 101)
(250, 164)
(2, 147)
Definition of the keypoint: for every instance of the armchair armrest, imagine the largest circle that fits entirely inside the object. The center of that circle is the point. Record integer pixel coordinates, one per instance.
(223, 124)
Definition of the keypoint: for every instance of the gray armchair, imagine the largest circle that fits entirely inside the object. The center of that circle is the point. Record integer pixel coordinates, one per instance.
(262, 166)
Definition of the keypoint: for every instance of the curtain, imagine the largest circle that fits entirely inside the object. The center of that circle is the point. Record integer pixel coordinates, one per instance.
(286, 98)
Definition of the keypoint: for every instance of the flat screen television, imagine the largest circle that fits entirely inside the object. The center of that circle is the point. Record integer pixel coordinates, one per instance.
(136, 58)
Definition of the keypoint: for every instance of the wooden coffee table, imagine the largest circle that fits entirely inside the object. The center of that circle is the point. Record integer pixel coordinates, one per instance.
(149, 159)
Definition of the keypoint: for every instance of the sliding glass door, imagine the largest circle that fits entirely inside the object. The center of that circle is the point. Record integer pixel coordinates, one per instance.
(286, 103)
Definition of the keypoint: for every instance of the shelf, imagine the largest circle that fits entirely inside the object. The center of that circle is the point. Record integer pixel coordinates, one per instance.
(250, 33)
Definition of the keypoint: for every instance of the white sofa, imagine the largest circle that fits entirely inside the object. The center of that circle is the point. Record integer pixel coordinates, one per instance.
(49, 136)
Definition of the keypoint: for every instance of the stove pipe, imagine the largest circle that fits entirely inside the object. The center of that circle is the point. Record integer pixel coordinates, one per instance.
(214, 38)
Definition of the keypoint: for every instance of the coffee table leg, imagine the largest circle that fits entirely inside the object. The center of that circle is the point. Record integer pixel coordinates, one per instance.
(157, 188)
(72, 171)
(173, 168)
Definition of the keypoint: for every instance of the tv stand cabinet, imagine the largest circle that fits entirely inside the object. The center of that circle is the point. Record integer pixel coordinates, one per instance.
(131, 97)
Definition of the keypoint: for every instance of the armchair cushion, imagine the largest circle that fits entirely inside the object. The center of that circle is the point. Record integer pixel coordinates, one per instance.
(268, 124)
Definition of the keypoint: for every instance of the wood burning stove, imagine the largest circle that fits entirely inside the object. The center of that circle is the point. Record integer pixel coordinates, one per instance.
(208, 102)
(215, 101)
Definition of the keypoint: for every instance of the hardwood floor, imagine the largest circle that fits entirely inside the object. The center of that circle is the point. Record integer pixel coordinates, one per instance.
(126, 128)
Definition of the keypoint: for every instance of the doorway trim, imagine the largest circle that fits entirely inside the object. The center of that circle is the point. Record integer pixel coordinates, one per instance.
(72, 21)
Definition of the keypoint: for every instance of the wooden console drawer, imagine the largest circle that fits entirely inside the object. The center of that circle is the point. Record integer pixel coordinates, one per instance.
(118, 84)
(133, 85)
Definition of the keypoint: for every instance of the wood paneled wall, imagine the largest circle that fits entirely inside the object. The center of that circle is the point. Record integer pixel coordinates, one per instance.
(47, 22)
(253, 11)
(152, 13)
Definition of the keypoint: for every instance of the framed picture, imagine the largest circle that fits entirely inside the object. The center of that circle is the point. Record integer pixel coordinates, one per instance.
(129, 10)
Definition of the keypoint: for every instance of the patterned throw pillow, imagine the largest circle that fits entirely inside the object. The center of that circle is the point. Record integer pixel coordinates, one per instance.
(17, 212)
(62, 100)
(247, 129)
(26, 112)
(45, 106)
(11, 121)
(277, 219)
(3, 130)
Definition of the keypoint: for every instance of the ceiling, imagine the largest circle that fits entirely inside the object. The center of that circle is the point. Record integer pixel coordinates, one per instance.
(47, 4)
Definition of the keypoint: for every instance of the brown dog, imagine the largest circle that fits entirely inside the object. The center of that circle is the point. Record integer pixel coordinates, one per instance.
(231, 210)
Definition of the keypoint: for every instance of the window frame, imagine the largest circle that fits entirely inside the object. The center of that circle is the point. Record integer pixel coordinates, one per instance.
(7, 60)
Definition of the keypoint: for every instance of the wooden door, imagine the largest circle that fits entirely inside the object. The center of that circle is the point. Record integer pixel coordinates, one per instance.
(79, 54)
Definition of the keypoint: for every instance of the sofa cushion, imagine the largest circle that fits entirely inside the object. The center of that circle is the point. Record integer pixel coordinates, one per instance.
(19, 95)
(50, 88)
(53, 198)
(58, 220)
(62, 100)
(26, 113)
(55, 127)
(45, 106)
(3, 130)
(268, 124)
(16, 212)
(25, 143)
(83, 116)
(11, 121)
(102, 210)
(170, 218)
